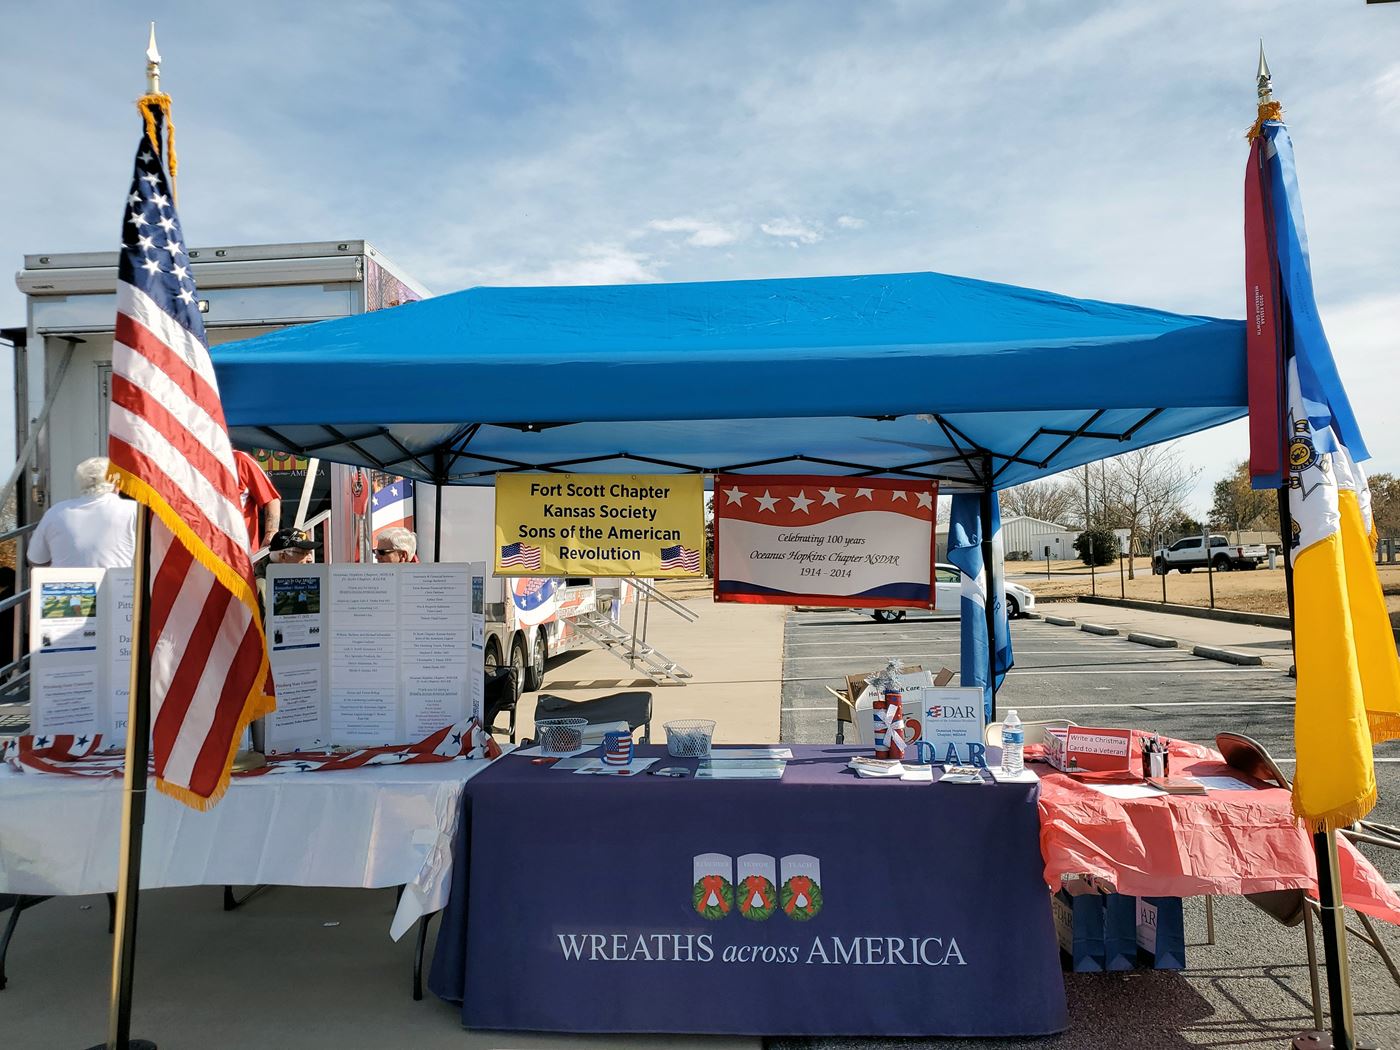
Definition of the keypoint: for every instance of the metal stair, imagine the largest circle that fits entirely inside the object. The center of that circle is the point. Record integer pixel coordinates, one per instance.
(626, 646)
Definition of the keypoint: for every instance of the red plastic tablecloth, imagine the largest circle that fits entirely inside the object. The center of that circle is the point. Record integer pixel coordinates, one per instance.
(1226, 842)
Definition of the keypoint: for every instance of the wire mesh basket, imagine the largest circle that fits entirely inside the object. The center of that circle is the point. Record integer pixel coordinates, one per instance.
(560, 736)
(689, 738)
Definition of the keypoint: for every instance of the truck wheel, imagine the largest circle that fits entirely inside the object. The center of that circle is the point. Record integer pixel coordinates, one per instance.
(1223, 564)
(534, 677)
(492, 659)
(1013, 608)
(1184, 568)
(1158, 569)
(1250, 566)
(888, 615)
(519, 664)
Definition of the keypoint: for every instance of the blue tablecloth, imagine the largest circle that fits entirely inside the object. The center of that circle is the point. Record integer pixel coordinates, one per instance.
(819, 904)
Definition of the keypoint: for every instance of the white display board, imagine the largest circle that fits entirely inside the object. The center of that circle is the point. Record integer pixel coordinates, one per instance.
(80, 651)
(364, 655)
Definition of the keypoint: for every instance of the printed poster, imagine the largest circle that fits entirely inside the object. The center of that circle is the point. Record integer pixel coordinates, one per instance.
(80, 652)
(368, 655)
(600, 525)
(802, 540)
(296, 632)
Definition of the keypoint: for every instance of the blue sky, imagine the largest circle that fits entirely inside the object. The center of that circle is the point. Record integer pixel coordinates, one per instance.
(1094, 149)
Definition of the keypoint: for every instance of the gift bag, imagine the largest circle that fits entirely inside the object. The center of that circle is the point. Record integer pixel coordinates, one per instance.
(1079, 924)
(1161, 932)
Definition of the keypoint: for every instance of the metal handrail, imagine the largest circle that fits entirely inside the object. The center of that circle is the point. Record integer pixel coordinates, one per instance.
(665, 600)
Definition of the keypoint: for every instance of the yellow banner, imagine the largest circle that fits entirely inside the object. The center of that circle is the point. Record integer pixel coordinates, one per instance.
(600, 525)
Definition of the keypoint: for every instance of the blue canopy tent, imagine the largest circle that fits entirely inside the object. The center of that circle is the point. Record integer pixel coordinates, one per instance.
(975, 385)
(921, 375)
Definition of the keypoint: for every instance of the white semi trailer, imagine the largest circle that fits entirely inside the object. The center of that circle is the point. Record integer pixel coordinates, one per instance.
(63, 364)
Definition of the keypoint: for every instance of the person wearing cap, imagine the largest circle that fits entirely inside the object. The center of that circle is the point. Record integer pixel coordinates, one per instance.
(395, 544)
(291, 547)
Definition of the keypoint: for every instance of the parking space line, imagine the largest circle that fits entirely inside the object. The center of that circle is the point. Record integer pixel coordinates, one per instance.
(1183, 670)
(1158, 703)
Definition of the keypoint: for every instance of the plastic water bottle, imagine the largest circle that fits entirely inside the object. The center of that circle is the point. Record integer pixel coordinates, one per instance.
(1013, 740)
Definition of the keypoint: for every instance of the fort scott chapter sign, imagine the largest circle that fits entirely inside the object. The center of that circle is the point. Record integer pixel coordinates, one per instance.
(600, 525)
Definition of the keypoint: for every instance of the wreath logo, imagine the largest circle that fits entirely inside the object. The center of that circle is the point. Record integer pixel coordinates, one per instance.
(755, 893)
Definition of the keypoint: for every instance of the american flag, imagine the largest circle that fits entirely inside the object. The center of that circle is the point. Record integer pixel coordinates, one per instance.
(392, 505)
(170, 448)
(679, 557)
(520, 556)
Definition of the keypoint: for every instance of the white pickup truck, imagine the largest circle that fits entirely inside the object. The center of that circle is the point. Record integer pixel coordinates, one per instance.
(1188, 553)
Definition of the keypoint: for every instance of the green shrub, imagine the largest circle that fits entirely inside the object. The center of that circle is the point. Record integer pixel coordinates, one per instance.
(1097, 546)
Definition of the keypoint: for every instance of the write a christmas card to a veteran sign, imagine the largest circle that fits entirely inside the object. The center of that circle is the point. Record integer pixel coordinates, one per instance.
(650, 525)
(796, 539)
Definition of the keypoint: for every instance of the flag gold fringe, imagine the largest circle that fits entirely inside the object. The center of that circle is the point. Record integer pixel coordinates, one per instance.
(148, 105)
(1384, 725)
(1341, 817)
(1267, 111)
(258, 703)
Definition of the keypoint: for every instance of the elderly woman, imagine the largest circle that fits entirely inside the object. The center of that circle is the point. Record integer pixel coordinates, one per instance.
(395, 544)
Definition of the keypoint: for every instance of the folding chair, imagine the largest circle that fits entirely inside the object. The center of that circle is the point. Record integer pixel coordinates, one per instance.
(1292, 907)
(632, 707)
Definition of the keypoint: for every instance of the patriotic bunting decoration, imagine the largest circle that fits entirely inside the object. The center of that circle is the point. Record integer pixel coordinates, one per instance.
(84, 756)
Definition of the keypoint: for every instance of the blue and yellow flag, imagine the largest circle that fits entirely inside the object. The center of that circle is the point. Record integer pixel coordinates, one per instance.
(980, 583)
(1348, 694)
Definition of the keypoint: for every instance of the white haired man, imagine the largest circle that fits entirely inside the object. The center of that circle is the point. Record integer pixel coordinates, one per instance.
(94, 530)
(395, 544)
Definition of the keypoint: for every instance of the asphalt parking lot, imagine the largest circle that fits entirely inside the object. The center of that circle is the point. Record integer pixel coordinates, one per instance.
(1247, 990)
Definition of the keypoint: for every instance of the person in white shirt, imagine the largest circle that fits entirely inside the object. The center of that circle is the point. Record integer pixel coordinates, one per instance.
(95, 530)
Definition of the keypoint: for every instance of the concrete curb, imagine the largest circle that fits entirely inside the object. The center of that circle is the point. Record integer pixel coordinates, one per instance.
(1060, 621)
(1098, 628)
(1227, 615)
(1228, 656)
(1154, 640)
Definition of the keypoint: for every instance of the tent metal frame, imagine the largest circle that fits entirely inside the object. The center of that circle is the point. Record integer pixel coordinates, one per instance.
(980, 467)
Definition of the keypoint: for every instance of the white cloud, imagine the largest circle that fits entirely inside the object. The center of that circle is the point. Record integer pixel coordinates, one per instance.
(850, 222)
(702, 234)
(793, 230)
(1387, 89)
(590, 264)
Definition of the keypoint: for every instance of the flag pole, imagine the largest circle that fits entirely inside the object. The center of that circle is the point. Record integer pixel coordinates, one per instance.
(138, 744)
(1331, 910)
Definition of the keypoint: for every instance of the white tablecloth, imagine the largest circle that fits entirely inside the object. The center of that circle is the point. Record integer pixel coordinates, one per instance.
(372, 827)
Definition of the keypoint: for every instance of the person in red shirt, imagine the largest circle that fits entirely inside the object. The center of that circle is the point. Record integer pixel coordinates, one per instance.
(258, 494)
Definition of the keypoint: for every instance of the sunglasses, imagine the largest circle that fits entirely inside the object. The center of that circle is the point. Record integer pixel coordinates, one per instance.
(384, 552)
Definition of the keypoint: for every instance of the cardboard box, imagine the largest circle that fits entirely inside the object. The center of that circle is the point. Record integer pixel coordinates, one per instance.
(1090, 750)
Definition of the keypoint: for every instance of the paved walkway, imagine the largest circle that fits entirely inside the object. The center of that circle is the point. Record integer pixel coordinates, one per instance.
(734, 651)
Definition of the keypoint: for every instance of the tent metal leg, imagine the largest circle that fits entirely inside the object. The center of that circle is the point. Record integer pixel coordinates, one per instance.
(990, 608)
(1210, 919)
(111, 913)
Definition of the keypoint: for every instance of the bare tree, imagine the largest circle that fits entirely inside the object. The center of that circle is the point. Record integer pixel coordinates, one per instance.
(1046, 499)
(1148, 489)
